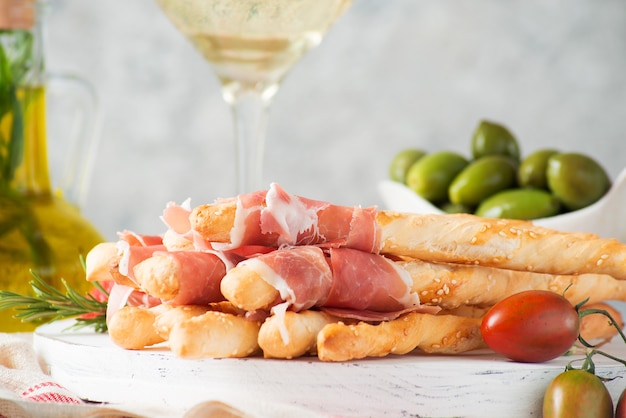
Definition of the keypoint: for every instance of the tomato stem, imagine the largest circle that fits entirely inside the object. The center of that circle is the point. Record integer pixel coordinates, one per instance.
(588, 364)
(612, 322)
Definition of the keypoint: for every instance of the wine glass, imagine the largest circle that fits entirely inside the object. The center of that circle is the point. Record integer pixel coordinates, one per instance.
(251, 45)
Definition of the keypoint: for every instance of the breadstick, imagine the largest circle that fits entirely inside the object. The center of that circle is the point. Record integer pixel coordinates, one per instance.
(99, 261)
(176, 242)
(214, 222)
(171, 315)
(466, 311)
(446, 334)
(293, 334)
(133, 327)
(451, 286)
(165, 321)
(510, 244)
(214, 334)
(102, 264)
(246, 289)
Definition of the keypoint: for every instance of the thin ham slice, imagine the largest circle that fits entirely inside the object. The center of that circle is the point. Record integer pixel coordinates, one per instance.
(340, 278)
(275, 218)
(374, 316)
(120, 296)
(301, 275)
(366, 281)
(135, 248)
(133, 255)
(200, 275)
(141, 240)
(176, 217)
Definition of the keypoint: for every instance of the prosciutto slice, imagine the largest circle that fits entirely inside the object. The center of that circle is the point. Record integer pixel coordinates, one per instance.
(302, 275)
(275, 218)
(181, 236)
(133, 255)
(366, 281)
(121, 295)
(199, 276)
(343, 279)
(135, 248)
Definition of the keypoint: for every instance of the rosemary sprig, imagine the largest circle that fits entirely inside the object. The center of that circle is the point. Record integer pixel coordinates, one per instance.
(49, 304)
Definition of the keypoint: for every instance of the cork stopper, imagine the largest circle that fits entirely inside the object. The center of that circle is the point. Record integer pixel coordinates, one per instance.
(17, 14)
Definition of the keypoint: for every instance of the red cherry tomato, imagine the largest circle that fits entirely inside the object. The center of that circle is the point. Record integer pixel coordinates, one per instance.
(531, 326)
(577, 394)
(620, 410)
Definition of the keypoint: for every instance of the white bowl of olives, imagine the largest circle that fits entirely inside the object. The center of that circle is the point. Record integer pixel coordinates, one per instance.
(566, 191)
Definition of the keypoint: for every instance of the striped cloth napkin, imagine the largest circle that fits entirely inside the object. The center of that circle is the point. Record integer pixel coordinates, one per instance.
(20, 373)
(27, 392)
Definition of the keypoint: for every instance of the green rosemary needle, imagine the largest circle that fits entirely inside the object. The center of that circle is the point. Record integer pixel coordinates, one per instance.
(49, 304)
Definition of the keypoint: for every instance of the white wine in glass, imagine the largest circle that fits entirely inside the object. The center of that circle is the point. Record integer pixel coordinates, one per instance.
(251, 45)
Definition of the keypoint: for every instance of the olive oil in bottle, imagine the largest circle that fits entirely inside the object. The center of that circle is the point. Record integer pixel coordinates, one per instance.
(40, 231)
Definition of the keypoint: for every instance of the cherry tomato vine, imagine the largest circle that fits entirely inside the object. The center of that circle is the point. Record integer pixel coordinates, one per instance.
(536, 326)
(588, 364)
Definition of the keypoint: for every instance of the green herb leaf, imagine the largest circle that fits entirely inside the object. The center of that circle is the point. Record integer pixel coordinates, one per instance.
(49, 304)
(16, 66)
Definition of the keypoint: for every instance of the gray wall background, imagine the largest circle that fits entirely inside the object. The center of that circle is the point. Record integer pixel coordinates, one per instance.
(391, 74)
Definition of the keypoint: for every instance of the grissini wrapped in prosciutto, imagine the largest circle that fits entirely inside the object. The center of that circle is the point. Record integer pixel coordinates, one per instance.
(306, 277)
(277, 218)
(183, 277)
(116, 260)
(350, 282)
(111, 264)
(273, 218)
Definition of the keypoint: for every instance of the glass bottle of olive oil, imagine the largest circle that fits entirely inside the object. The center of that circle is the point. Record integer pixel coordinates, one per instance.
(41, 232)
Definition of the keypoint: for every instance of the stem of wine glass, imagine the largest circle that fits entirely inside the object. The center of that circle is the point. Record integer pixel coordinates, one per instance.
(250, 107)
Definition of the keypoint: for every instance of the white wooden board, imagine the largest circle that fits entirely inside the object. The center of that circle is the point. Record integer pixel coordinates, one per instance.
(478, 384)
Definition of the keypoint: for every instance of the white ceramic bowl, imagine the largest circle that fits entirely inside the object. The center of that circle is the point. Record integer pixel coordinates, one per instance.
(606, 217)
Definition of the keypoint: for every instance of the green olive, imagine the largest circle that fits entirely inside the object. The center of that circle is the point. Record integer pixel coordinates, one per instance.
(432, 174)
(494, 139)
(519, 204)
(482, 178)
(532, 170)
(401, 163)
(576, 180)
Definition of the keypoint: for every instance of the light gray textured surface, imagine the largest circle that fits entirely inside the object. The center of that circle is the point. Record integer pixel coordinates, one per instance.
(391, 74)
